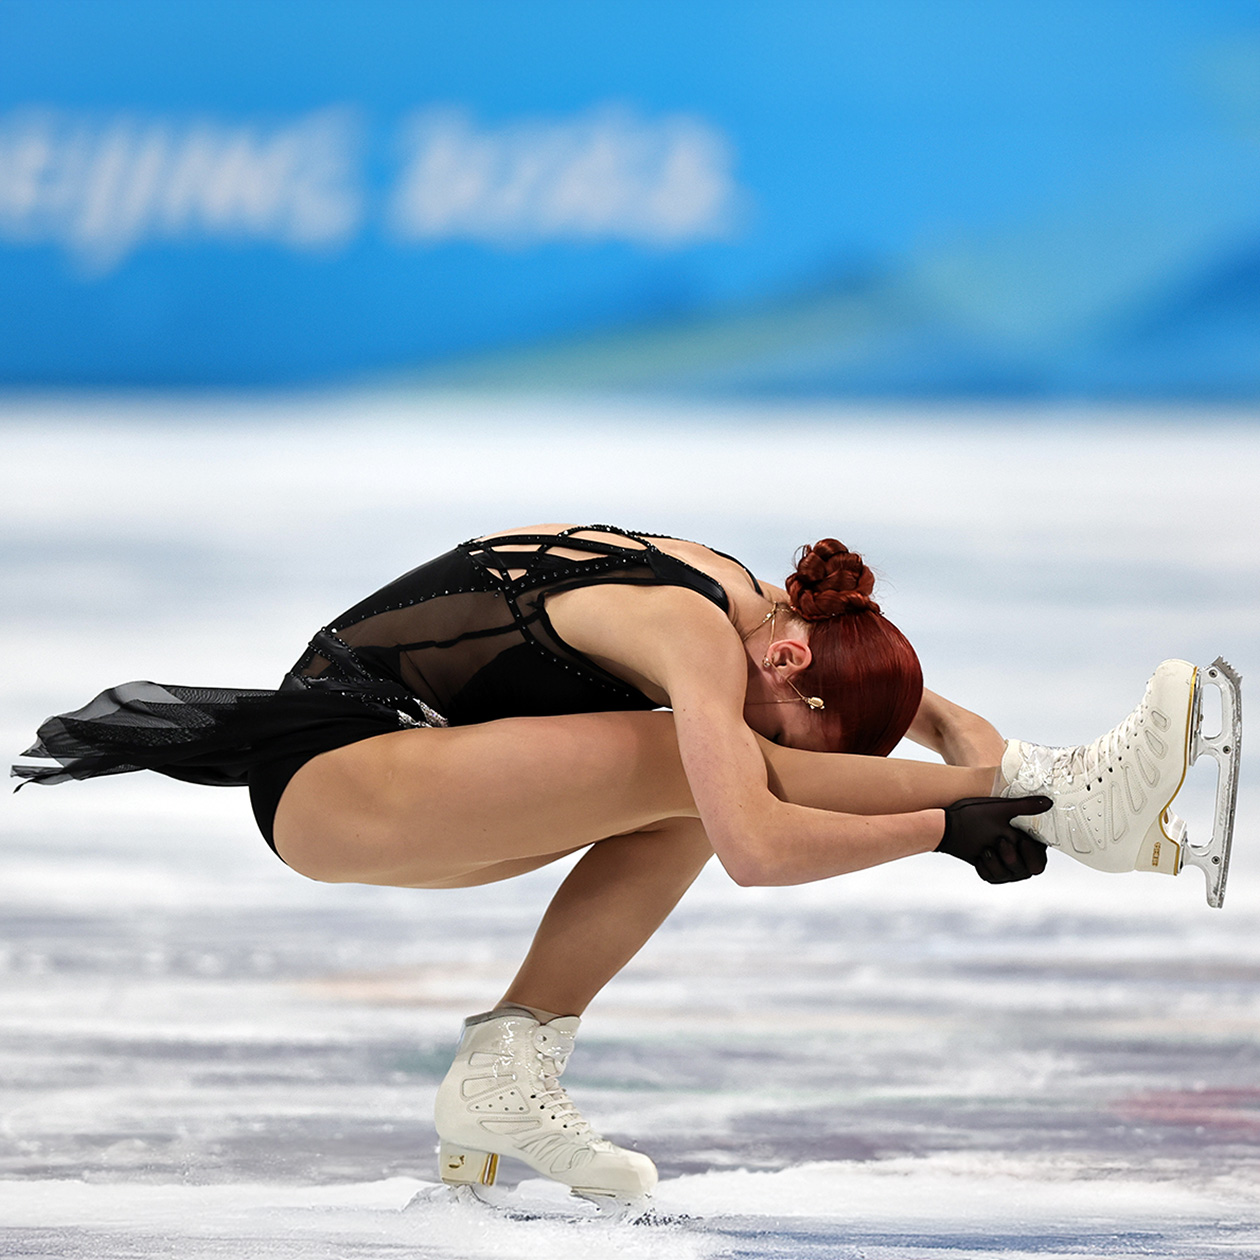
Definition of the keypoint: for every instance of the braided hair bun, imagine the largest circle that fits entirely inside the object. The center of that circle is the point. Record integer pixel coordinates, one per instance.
(862, 667)
(830, 581)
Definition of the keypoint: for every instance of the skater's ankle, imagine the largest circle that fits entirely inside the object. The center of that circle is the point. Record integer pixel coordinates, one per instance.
(509, 1008)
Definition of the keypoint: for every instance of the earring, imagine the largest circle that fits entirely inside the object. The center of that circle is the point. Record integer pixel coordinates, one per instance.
(814, 702)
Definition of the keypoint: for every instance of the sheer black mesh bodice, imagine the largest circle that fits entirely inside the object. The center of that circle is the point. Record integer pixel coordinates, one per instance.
(464, 638)
(468, 633)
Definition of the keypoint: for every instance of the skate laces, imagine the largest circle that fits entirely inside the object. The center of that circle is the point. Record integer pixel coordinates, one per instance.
(553, 1048)
(557, 1101)
(1083, 760)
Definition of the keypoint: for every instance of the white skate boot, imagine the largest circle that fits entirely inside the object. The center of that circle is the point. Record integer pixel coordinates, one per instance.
(1112, 798)
(502, 1096)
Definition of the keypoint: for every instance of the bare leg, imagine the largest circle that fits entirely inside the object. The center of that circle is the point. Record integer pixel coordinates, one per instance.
(467, 805)
(625, 887)
(471, 805)
(603, 913)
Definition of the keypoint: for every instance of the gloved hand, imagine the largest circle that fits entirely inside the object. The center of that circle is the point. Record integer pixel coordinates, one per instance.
(978, 830)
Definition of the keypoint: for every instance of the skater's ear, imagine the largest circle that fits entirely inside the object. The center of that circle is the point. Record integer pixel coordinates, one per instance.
(788, 657)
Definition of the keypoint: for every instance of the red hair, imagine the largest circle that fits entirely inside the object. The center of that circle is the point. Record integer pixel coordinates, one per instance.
(863, 667)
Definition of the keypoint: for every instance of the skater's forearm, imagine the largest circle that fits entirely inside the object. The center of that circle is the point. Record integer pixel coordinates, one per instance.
(839, 813)
(962, 738)
(847, 784)
(797, 845)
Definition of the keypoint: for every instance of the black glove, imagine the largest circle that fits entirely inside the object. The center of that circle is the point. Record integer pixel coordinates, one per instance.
(979, 830)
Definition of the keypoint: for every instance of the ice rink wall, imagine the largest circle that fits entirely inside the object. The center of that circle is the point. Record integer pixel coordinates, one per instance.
(902, 198)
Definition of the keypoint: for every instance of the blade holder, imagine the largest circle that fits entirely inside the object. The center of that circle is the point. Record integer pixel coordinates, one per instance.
(1225, 746)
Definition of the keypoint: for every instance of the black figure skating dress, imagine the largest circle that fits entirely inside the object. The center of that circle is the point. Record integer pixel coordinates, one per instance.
(464, 638)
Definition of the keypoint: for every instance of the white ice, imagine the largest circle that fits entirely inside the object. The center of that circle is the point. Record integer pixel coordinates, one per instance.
(203, 1055)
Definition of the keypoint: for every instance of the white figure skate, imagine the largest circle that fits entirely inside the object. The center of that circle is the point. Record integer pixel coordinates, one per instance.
(502, 1096)
(1113, 798)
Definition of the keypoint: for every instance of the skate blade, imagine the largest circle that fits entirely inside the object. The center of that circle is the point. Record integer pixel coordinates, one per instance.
(1212, 857)
(544, 1201)
(624, 1210)
(470, 1196)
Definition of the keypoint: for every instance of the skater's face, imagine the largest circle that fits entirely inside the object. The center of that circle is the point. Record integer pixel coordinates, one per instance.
(792, 727)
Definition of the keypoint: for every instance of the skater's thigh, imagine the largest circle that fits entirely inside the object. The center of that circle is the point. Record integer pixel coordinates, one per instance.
(435, 807)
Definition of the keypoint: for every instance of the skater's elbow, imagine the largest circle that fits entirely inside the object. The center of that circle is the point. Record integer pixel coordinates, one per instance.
(770, 843)
(753, 863)
(749, 874)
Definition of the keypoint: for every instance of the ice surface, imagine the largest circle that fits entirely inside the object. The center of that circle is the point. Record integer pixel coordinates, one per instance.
(202, 1054)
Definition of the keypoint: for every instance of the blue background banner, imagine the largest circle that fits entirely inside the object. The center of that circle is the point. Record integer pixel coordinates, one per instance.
(903, 198)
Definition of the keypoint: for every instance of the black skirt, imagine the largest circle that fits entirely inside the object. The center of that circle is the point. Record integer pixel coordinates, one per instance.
(225, 737)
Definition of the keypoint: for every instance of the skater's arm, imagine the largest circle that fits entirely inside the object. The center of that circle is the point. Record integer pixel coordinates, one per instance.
(759, 838)
(676, 644)
(960, 737)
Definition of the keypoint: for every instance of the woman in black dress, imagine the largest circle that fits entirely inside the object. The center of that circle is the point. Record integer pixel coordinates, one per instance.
(493, 710)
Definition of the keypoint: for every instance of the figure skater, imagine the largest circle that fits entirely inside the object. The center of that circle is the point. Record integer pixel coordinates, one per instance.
(559, 688)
